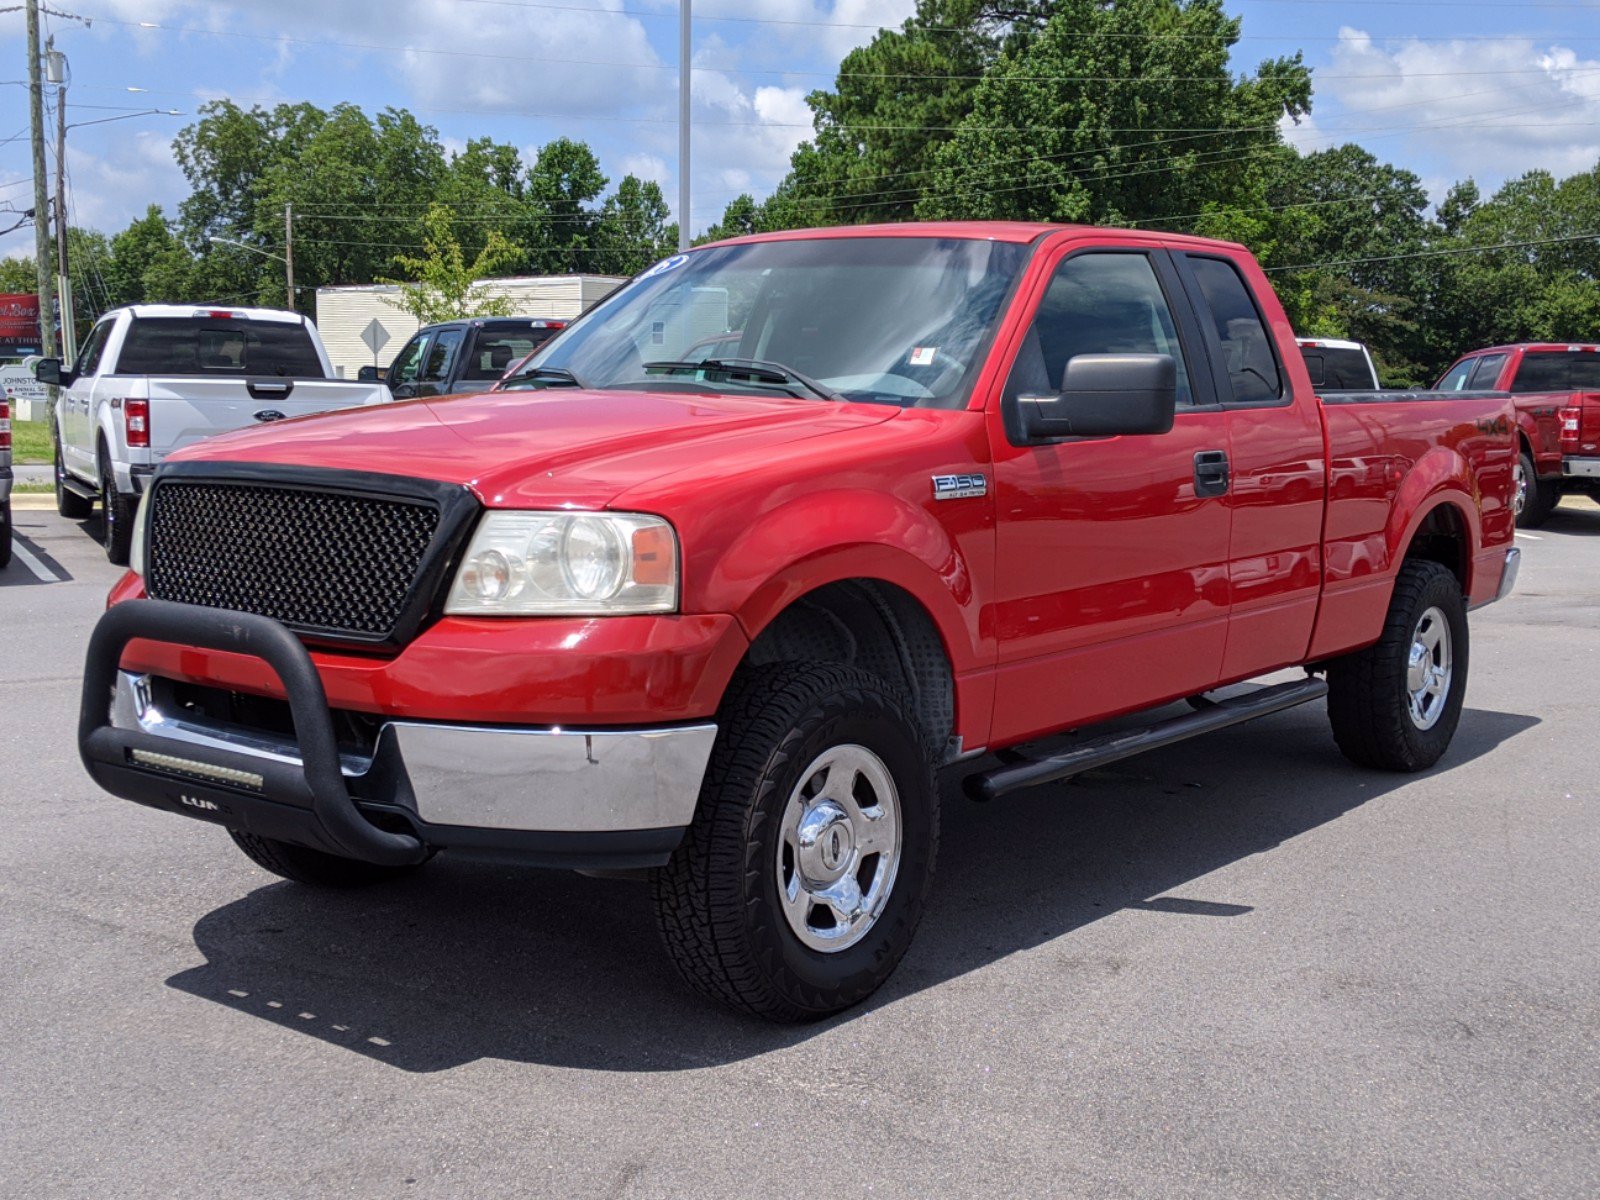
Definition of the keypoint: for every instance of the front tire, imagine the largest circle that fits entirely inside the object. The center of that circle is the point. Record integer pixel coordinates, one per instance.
(5, 533)
(117, 512)
(802, 878)
(301, 864)
(1395, 705)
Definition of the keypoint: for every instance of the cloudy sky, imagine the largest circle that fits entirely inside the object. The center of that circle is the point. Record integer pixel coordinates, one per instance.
(1448, 88)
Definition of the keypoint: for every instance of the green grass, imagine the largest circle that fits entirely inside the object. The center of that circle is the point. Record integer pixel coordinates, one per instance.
(30, 442)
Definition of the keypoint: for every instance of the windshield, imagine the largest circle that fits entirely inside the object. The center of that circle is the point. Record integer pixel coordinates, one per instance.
(895, 320)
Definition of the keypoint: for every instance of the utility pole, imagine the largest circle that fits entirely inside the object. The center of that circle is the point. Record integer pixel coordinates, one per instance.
(288, 251)
(69, 334)
(683, 124)
(41, 194)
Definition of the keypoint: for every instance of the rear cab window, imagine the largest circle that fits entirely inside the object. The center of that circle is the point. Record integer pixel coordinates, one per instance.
(497, 349)
(1247, 350)
(1338, 368)
(218, 346)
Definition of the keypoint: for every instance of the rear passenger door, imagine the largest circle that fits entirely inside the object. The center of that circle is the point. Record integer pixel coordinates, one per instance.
(1276, 465)
(77, 403)
(1112, 553)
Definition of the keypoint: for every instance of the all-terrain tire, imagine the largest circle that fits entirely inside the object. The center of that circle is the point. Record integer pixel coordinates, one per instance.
(68, 503)
(1368, 691)
(304, 865)
(717, 900)
(1540, 496)
(117, 512)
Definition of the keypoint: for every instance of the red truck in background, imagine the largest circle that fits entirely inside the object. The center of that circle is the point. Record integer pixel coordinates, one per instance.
(764, 541)
(1556, 390)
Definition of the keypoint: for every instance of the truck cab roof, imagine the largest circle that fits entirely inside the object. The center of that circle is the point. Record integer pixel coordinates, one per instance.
(226, 311)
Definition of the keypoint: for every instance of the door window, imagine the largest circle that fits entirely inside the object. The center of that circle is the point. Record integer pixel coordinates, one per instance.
(1097, 304)
(89, 355)
(408, 362)
(1246, 345)
(1455, 379)
(442, 355)
(1487, 373)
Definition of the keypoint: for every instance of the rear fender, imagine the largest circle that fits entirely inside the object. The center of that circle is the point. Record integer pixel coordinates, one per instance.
(1441, 476)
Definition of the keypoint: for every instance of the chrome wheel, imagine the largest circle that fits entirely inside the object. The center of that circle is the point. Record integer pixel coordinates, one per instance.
(1428, 669)
(839, 848)
(1519, 488)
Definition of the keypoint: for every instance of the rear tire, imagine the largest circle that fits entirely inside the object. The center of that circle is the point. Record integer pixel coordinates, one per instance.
(300, 864)
(5, 533)
(801, 880)
(68, 503)
(1536, 499)
(1395, 705)
(117, 512)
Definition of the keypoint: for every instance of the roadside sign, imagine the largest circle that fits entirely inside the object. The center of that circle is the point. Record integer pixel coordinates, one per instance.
(375, 336)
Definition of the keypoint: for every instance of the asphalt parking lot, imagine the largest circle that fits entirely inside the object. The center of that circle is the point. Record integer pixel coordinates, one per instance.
(1239, 967)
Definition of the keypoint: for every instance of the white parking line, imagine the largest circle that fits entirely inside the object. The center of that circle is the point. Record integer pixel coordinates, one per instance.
(1530, 536)
(28, 559)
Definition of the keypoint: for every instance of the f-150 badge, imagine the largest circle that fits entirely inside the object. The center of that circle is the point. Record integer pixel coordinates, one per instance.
(959, 487)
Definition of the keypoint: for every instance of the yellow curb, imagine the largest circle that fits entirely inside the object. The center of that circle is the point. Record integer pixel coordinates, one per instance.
(33, 502)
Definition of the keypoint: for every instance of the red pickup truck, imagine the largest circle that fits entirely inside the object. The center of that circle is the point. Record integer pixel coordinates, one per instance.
(767, 539)
(1556, 390)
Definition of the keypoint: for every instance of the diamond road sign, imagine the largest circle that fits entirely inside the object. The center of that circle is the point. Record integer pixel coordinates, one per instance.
(375, 335)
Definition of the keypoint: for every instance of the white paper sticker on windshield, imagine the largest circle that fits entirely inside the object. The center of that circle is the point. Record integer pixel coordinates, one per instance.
(665, 265)
(922, 356)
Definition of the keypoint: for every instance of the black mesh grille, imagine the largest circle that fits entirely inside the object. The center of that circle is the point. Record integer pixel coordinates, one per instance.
(317, 561)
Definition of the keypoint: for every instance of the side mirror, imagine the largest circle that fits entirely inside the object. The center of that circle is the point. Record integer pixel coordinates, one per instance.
(1105, 395)
(48, 371)
(368, 374)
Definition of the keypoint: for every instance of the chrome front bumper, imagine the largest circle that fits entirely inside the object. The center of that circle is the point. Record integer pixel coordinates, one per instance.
(479, 777)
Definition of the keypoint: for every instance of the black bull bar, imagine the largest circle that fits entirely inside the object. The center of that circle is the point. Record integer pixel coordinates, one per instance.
(306, 803)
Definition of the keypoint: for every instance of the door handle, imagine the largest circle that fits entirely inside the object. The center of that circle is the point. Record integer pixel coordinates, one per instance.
(1211, 476)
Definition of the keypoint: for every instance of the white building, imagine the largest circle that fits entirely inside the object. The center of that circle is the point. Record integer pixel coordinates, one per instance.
(343, 313)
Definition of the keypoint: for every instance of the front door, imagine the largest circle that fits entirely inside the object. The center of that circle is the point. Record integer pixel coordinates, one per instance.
(1112, 565)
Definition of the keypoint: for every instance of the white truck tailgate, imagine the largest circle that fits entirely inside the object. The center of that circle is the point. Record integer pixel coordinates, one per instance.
(186, 409)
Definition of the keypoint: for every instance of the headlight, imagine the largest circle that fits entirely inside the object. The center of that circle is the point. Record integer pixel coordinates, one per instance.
(568, 564)
(136, 548)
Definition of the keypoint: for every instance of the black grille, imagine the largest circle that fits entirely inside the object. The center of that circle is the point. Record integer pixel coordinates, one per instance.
(343, 565)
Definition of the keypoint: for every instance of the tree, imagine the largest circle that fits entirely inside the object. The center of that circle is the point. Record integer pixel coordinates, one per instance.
(633, 230)
(444, 287)
(562, 186)
(1120, 112)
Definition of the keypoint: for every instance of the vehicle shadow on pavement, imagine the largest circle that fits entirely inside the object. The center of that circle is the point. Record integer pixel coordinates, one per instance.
(471, 960)
(1569, 517)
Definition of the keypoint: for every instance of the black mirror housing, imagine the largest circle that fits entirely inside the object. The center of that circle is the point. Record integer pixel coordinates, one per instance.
(48, 371)
(368, 374)
(1105, 395)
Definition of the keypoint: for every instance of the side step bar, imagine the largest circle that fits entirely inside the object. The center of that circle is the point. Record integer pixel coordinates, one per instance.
(79, 488)
(1113, 747)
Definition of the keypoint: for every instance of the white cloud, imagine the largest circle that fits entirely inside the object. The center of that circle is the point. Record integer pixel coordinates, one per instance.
(1486, 108)
(110, 190)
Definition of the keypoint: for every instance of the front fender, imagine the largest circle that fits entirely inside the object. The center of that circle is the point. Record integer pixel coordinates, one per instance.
(842, 534)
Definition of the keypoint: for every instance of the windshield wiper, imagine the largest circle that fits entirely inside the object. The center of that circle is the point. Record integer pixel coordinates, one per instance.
(755, 368)
(560, 373)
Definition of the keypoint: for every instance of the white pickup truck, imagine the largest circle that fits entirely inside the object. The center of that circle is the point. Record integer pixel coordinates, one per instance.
(152, 378)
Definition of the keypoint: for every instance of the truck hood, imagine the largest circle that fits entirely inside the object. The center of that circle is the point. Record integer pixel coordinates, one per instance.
(530, 449)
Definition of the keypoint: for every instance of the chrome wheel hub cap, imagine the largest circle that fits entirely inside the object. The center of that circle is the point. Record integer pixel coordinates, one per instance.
(838, 848)
(1428, 669)
(1519, 493)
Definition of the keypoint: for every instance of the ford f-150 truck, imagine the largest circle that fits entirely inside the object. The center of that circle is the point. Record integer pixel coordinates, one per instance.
(151, 378)
(945, 489)
(454, 357)
(1556, 390)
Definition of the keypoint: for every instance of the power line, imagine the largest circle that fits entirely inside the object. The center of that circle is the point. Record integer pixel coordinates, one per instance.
(1354, 262)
